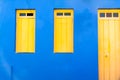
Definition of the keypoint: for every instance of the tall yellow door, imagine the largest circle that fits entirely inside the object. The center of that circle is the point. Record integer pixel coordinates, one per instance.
(25, 31)
(63, 30)
(109, 44)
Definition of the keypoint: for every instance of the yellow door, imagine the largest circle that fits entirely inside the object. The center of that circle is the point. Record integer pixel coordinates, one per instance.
(109, 44)
(63, 30)
(25, 31)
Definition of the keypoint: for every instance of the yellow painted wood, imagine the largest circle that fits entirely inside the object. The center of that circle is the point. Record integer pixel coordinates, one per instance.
(25, 31)
(109, 46)
(117, 43)
(63, 31)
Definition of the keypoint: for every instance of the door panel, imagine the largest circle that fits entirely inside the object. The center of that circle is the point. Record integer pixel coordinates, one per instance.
(109, 48)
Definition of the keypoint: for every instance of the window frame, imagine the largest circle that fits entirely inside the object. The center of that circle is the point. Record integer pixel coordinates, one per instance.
(114, 15)
(109, 15)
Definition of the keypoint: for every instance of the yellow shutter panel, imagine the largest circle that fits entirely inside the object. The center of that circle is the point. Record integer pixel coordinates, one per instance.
(63, 30)
(109, 44)
(25, 31)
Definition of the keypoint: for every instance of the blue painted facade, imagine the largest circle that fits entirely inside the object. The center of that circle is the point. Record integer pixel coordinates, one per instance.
(44, 64)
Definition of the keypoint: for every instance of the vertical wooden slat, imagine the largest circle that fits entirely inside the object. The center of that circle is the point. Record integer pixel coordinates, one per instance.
(100, 48)
(118, 57)
(117, 42)
(112, 50)
(31, 35)
(106, 49)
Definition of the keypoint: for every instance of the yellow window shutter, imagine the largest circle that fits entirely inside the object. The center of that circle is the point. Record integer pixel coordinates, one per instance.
(25, 31)
(63, 31)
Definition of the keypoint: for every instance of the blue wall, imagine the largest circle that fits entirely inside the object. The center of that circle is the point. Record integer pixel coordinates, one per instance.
(44, 64)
